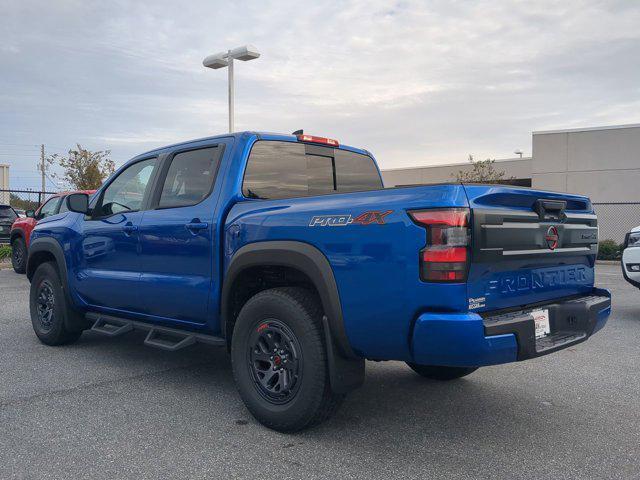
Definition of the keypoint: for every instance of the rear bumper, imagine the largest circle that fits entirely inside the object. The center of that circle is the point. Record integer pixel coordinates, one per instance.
(471, 340)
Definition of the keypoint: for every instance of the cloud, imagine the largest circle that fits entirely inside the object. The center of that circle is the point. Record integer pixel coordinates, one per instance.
(415, 82)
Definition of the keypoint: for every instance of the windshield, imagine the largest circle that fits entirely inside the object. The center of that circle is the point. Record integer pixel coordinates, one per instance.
(7, 213)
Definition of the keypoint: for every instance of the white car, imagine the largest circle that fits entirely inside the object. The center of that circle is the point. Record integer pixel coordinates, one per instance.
(631, 257)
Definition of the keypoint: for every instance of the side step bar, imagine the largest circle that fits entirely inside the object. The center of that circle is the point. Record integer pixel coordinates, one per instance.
(165, 338)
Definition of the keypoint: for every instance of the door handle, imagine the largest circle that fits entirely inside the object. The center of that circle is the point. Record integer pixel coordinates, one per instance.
(129, 228)
(194, 227)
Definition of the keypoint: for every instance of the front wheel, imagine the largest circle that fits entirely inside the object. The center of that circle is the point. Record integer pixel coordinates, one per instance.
(280, 362)
(49, 308)
(434, 372)
(19, 255)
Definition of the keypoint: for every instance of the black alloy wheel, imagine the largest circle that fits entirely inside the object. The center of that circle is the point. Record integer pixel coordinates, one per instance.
(54, 323)
(46, 304)
(19, 255)
(280, 362)
(275, 360)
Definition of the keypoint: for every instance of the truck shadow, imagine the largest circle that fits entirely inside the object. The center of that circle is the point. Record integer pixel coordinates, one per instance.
(394, 405)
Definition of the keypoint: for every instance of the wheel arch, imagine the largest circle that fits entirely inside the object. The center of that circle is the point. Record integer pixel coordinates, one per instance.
(48, 249)
(45, 250)
(17, 233)
(299, 256)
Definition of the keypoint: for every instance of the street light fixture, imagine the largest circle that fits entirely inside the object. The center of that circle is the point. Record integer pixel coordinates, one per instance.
(225, 59)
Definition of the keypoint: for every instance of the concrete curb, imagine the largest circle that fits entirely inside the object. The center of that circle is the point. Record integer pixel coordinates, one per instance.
(608, 262)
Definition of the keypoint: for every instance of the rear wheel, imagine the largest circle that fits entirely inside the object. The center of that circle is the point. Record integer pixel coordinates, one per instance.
(434, 372)
(280, 362)
(19, 255)
(49, 308)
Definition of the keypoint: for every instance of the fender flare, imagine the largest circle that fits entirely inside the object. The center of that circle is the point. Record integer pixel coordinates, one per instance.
(50, 245)
(303, 257)
(346, 369)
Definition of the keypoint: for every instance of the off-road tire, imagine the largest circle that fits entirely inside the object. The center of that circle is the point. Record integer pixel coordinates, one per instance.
(434, 372)
(51, 329)
(19, 255)
(299, 313)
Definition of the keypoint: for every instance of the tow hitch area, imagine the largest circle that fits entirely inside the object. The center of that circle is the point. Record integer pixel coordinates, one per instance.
(542, 329)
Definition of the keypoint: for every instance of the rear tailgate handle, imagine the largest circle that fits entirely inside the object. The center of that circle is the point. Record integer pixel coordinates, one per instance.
(550, 208)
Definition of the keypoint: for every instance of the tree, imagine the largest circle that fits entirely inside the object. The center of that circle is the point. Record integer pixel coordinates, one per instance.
(21, 204)
(482, 171)
(83, 169)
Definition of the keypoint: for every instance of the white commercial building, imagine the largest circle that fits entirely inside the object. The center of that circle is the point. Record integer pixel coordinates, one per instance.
(602, 163)
(4, 183)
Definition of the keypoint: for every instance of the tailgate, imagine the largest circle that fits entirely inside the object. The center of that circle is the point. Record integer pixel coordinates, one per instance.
(529, 246)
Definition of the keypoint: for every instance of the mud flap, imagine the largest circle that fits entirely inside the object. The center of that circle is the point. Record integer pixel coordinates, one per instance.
(345, 374)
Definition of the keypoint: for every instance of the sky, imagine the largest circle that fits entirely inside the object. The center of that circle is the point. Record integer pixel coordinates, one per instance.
(414, 82)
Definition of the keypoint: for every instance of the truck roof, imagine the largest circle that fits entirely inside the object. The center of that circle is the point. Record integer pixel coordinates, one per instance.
(247, 133)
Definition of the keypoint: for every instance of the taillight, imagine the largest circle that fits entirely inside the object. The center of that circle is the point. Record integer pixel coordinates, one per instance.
(445, 257)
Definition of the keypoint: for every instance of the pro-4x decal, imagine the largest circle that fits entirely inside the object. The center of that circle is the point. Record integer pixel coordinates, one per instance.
(366, 218)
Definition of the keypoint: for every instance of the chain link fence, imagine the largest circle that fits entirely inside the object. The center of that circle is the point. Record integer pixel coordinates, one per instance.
(23, 199)
(615, 219)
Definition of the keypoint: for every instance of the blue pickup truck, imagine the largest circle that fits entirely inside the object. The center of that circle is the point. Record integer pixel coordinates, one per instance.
(288, 251)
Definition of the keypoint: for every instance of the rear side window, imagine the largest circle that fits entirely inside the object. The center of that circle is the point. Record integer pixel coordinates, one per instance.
(7, 213)
(356, 172)
(287, 170)
(190, 178)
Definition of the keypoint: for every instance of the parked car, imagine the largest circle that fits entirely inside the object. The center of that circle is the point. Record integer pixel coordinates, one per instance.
(21, 213)
(7, 216)
(631, 257)
(23, 226)
(288, 251)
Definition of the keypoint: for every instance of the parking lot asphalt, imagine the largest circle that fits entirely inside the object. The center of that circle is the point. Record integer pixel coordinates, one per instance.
(113, 408)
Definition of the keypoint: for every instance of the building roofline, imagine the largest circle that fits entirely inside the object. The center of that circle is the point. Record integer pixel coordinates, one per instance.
(587, 129)
(456, 164)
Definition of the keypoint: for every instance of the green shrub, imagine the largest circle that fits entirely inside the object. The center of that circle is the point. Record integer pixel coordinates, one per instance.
(5, 252)
(609, 250)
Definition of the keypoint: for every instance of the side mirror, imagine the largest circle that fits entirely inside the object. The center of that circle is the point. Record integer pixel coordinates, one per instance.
(78, 202)
(30, 213)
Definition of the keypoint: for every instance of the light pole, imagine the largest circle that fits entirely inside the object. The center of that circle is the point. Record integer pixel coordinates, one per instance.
(225, 59)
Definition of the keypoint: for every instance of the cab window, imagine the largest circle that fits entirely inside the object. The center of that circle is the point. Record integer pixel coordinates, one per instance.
(278, 170)
(49, 208)
(7, 213)
(127, 192)
(190, 177)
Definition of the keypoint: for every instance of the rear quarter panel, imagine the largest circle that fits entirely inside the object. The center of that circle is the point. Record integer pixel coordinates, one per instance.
(375, 265)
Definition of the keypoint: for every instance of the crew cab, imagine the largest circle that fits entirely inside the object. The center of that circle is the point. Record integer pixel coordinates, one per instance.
(20, 230)
(631, 257)
(288, 251)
